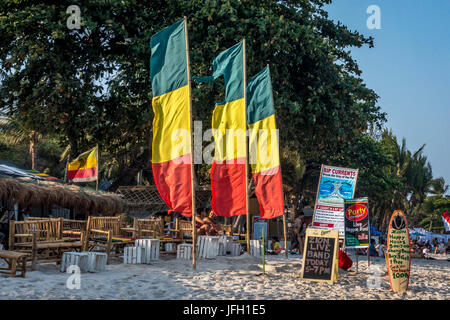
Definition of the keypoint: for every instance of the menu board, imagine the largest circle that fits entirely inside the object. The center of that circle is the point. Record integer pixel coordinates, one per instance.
(398, 252)
(320, 255)
(335, 185)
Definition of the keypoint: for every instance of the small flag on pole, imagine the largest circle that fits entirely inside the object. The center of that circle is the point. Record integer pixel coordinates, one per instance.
(446, 220)
(84, 167)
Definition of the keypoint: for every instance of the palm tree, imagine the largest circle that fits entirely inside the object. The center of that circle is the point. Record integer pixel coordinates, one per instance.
(435, 203)
(415, 172)
(16, 133)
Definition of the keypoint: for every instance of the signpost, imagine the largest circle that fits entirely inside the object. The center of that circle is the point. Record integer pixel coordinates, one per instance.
(258, 226)
(335, 185)
(320, 255)
(356, 225)
(398, 252)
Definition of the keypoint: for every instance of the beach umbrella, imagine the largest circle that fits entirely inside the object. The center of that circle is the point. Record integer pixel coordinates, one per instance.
(417, 234)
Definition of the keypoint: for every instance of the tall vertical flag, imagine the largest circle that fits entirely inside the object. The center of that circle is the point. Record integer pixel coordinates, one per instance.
(84, 168)
(228, 170)
(446, 220)
(263, 144)
(171, 148)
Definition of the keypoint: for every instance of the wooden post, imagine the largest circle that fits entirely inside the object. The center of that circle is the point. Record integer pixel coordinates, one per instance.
(356, 252)
(246, 145)
(66, 173)
(281, 177)
(194, 229)
(98, 173)
(285, 237)
(263, 252)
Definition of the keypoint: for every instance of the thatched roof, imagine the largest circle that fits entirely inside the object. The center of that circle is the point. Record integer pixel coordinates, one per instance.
(29, 192)
(147, 197)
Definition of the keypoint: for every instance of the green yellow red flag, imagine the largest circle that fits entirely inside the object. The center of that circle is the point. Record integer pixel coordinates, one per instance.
(171, 148)
(228, 170)
(263, 146)
(84, 168)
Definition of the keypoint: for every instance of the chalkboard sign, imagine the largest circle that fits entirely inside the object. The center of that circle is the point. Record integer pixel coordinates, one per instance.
(320, 255)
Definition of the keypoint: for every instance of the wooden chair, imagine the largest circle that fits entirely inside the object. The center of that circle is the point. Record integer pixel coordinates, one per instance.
(100, 233)
(183, 230)
(42, 238)
(153, 227)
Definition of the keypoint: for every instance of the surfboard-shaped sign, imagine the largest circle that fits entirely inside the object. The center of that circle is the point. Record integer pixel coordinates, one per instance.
(398, 257)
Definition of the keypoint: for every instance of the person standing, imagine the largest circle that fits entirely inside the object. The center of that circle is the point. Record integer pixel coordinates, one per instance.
(300, 230)
(372, 249)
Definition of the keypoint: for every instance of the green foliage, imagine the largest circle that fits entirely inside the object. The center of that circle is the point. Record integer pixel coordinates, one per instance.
(92, 86)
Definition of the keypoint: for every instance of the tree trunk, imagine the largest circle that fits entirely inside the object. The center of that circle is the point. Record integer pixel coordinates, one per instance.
(34, 148)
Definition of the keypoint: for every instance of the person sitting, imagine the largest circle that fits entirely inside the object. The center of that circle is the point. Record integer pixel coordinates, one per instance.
(372, 249)
(199, 223)
(381, 249)
(207, 224)
(276, 246)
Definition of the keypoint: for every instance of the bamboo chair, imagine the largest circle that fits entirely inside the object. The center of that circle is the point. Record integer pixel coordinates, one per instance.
(149, 227)
(100, 233)
(183, 229)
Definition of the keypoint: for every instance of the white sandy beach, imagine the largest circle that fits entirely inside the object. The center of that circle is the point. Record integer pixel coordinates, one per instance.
(224, 278)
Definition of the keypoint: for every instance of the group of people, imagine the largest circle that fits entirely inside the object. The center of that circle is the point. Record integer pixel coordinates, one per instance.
(206, 223)
(422, 248)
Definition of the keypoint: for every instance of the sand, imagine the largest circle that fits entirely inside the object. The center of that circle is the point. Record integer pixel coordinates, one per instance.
(226, 278)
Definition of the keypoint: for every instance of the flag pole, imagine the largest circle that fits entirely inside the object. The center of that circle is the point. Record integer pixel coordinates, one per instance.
(194, 229)
(66, 174)
(98, 173)
(281, 176)
(246, 146)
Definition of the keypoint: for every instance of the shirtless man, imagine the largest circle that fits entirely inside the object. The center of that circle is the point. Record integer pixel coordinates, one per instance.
(207, 224)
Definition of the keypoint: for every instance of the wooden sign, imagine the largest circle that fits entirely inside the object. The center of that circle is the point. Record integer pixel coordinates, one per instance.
(398, 257)
(320, 255)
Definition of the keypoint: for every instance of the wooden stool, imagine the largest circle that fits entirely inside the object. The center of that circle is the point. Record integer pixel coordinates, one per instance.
(13, 259)
(208, 247)
(151, 248)
(256, 248)
(225, 243)
(97, 261)
(133, 255)
(184, 251)
(235, 249)
(80, 259)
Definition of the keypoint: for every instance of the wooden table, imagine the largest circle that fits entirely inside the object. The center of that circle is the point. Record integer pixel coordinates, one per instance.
(13, 259)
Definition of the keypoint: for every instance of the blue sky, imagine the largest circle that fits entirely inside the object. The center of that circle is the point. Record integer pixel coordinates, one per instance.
(409, 69)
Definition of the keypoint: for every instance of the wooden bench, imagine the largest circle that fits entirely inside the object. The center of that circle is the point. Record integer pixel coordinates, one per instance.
(14, 260)
(43, 239)
(68, 227)
(100, 234)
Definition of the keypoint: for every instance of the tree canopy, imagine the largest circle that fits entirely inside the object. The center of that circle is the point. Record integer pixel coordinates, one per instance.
(92, 86)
